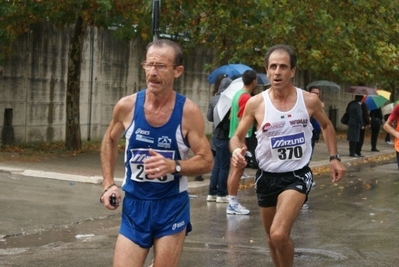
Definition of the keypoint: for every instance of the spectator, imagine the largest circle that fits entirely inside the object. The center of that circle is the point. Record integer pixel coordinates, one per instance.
(240, 99)
(220, 140)
(366, 123)
(355, 124)
(316, 126)
(375, 124)
(216, 85)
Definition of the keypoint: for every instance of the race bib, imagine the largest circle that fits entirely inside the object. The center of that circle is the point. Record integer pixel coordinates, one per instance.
(137, 165)
(287, 147)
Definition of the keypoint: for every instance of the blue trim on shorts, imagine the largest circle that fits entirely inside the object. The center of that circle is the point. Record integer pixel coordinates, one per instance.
(145, 220)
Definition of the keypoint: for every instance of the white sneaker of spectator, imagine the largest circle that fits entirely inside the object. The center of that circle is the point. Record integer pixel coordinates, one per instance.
(244, 175)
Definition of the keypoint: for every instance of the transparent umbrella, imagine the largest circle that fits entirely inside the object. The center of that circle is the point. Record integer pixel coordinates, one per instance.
(224, 103)
(323, 85)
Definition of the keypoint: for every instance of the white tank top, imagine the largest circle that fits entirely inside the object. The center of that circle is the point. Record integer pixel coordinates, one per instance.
(284, 138)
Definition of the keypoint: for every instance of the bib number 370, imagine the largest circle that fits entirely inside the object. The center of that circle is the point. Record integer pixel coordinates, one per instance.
(288, 153)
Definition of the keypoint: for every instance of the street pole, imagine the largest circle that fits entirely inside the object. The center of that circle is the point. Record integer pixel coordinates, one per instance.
(156, 4)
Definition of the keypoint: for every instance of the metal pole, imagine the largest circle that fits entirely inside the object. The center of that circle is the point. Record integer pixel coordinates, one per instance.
(91, 82)
(155, 19)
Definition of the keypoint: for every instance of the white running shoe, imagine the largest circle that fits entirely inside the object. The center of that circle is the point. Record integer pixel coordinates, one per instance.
(305, 206)
(244, 175)
(237, 209)
(222, 200)
(313, 184)
(211, 198)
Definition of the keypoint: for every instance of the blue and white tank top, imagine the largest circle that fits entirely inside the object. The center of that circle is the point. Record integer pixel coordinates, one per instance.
(284, 138)
(167, 140)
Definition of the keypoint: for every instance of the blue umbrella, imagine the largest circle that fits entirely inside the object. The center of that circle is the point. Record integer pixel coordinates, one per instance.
(262, 79)
(232, 70)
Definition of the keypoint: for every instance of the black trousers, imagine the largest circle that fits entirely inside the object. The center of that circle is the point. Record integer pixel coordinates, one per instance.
(358, 149)
(374, 137)
(352, 148)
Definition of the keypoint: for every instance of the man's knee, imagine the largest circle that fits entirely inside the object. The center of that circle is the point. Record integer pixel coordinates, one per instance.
(279, 238)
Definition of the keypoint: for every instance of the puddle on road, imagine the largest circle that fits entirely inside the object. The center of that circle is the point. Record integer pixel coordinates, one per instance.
(318, 254)
(12, 251)
(300, 253)
(16, 243)
(64, 234)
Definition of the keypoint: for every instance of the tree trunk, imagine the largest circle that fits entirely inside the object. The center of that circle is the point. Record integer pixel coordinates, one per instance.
(73, 139)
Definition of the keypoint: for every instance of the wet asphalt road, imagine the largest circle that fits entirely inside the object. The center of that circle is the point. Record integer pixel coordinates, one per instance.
(46, 222)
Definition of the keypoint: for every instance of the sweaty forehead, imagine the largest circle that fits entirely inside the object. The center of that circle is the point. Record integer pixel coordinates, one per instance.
(279, 57)
(160, 54)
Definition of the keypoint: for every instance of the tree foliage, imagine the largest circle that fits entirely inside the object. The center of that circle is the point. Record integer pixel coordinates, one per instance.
(16, 17)
(346, 41)
(349, 41)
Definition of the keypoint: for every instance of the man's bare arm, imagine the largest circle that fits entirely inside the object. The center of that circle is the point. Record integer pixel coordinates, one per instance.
(390, 129)
(237, 144)
(194, 130)
(336, 168)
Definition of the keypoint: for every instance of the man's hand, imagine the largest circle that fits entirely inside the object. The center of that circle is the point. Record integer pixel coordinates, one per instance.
(238, 158)
(106, 196)
(337, 170)
(156, 166)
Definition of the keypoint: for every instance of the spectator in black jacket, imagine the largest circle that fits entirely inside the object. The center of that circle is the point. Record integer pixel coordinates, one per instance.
(355, 124)
(366, 123)
(375, 124)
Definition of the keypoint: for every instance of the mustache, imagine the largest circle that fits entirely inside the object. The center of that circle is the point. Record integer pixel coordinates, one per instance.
(154, 80)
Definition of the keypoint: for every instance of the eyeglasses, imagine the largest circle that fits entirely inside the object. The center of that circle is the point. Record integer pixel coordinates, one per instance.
(158, 66)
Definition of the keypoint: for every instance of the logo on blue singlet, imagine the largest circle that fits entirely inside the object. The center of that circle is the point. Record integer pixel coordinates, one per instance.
(142, 135)
(164, 142)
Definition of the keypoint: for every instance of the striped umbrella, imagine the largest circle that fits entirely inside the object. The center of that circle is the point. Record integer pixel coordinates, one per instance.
(376, 101)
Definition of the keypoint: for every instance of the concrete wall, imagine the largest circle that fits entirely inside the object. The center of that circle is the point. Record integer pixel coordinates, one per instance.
(33, 82)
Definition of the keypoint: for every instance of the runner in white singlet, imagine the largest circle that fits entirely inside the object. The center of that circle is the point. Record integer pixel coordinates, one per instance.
(284, 135)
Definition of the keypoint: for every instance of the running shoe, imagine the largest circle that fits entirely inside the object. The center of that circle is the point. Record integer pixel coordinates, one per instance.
(244, 176)
(199, 178)
(211, 198)
(237, 209)
(222, 200)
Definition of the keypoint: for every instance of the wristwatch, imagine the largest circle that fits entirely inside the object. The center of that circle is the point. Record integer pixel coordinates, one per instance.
(338, 157)
(177, 167)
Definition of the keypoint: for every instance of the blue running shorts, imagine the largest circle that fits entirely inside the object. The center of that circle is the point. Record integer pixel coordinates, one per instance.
(145, 220)
(269, 185)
